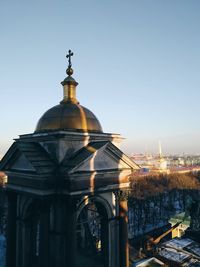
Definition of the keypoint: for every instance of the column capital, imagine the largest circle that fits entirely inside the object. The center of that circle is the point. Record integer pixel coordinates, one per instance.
(122, 195)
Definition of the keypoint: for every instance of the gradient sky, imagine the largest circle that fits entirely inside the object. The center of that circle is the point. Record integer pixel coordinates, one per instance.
(137, 63)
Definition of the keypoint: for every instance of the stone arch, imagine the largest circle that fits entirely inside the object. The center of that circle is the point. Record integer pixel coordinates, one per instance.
(92, 227)
(99, 199)
(28, 208)
(33, 231)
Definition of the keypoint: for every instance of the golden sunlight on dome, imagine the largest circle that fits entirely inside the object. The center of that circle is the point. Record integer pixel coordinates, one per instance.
(69, 114)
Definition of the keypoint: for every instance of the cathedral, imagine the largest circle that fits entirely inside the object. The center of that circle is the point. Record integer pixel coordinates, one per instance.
(67, 190)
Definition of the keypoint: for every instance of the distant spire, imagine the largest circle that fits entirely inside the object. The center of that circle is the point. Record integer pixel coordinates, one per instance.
(160, 149)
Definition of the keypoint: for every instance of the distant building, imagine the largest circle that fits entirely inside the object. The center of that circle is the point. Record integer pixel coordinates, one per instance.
(152, 262)
(3, 178)
(180, 252)
(181, 228)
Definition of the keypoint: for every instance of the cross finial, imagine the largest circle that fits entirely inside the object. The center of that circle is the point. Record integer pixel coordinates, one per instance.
(69, 58)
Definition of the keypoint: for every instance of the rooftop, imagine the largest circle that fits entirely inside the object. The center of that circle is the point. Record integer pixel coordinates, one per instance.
(183, 251)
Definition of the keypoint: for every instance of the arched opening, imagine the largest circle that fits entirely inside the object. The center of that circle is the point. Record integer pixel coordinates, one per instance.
(92, 235)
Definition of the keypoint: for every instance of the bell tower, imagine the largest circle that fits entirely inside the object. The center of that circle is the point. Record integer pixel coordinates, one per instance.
(67, 190)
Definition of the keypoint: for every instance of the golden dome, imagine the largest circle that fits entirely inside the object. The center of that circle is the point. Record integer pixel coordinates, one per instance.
(69, 114)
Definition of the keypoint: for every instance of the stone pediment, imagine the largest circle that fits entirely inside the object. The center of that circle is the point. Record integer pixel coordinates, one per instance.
(99, 157)
(27, 157)
(22, 163)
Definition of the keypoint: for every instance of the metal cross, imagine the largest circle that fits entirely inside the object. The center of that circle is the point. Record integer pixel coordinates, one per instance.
(69, 56)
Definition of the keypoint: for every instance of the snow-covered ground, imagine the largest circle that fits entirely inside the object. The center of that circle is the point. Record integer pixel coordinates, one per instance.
(2, 251)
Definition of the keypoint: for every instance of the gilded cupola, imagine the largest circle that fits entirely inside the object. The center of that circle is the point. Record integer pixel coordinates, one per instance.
(69, 114)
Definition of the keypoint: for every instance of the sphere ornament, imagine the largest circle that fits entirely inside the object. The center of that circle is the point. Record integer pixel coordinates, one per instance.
(69, 71)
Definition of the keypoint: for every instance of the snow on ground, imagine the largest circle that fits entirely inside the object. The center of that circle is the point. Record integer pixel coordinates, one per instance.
(2, 251)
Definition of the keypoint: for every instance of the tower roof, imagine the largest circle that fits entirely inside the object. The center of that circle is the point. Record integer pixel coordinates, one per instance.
(69, 114)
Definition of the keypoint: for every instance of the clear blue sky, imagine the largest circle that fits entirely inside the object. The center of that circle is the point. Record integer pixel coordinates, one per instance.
(137, 63)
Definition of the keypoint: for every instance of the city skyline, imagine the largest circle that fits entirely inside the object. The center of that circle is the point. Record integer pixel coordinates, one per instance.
(137, 65)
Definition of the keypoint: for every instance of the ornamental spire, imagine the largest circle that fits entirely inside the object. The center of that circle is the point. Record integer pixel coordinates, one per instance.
(69, 56)
(69, 70)
(69, 84)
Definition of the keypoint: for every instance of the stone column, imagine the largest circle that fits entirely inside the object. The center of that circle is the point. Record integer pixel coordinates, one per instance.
(71, 232)
(19, 243)
(26, 248)
(123, 230)
(57, 233)
(44, 236)
(105, 241)
(114, 243)
(11, 230)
